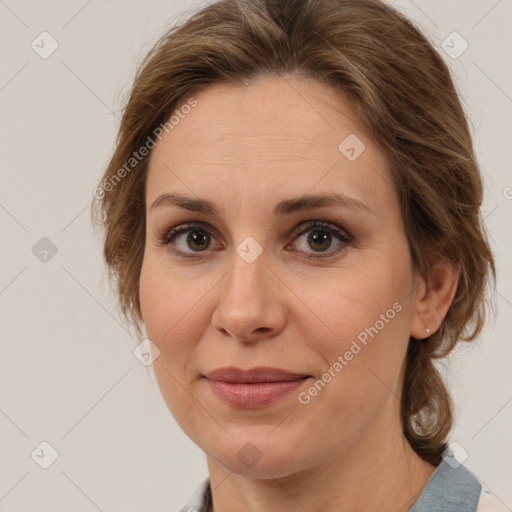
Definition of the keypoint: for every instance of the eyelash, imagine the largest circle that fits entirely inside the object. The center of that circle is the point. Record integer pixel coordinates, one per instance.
(342, 235)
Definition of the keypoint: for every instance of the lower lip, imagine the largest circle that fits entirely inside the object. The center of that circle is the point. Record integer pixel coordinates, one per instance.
(252, 396)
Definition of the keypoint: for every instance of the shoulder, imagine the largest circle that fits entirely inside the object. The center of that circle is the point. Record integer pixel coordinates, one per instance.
(454, 488)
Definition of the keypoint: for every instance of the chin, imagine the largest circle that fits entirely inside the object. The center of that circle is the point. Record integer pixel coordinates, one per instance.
(253, 453)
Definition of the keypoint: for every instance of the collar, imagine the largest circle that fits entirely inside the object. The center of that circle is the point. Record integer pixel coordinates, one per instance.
(451, 488)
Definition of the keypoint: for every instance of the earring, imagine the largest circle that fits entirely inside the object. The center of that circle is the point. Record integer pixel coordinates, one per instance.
(428, 330)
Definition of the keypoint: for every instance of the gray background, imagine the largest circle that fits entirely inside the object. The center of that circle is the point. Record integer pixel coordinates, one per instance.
(68, 375)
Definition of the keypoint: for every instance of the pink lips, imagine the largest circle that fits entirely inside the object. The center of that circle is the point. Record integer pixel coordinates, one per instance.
(254, 388)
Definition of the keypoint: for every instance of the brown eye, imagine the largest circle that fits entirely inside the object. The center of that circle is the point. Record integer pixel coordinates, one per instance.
(198, 240)
(319, 240)
(321, 236)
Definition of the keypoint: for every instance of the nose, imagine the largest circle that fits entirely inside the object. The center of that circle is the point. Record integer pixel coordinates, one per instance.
(251, 305)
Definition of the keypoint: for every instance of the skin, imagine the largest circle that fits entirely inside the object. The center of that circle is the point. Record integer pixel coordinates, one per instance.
(245, 149)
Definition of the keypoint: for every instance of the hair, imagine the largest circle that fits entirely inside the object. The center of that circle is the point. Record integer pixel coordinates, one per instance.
(404, 95)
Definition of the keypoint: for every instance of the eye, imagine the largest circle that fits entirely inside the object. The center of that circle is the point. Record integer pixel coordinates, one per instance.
(320, 238)
(198, 238)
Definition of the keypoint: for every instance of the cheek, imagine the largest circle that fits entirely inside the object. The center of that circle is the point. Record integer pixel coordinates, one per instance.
(173, 310)
(363, 295)
(170, 314)
(170, 304)
(369, 332)
(367, 310)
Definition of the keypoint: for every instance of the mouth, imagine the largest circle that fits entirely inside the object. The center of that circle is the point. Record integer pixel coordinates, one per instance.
(253, 388)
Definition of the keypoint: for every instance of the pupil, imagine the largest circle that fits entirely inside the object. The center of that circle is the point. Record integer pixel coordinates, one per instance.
(320, 238)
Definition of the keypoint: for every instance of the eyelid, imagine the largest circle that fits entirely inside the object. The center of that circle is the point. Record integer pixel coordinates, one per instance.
(168, 234)
(308, 225)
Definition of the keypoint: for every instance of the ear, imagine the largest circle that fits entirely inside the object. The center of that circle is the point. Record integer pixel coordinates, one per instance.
(433, 298)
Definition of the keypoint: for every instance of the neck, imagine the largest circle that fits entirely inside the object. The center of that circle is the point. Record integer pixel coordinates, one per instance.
(386, 475)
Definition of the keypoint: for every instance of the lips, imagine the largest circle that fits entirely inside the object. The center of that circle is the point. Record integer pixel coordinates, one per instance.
(255, 388)
(255, 375)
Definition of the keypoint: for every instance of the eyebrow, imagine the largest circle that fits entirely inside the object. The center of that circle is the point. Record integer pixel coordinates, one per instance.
(287, 206)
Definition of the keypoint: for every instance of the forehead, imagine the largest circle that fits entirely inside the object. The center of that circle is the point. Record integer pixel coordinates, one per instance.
(274, 136)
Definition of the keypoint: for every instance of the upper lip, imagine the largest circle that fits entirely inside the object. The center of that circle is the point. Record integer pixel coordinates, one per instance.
(259, 374)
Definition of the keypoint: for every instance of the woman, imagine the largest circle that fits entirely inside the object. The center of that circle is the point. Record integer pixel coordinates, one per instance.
(293, 213)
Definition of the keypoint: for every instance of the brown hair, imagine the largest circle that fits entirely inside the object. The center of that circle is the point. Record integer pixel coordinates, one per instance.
(404, 95)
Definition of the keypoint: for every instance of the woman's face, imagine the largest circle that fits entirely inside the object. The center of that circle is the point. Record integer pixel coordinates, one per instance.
(261, 276)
